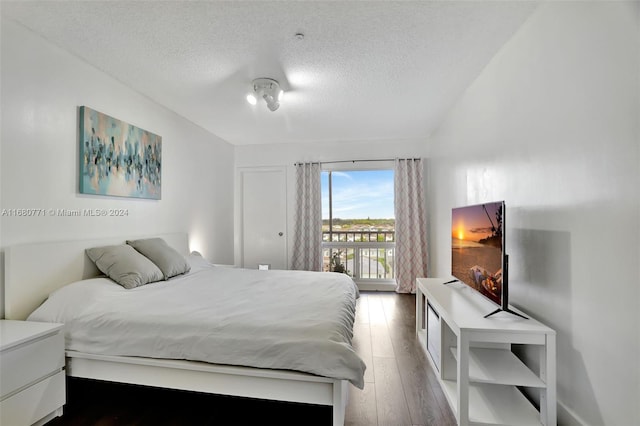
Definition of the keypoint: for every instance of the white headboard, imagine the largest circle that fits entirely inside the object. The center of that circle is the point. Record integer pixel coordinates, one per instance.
(34, 270)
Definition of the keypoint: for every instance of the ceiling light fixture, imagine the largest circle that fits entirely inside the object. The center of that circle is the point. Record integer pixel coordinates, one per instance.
(267, 89)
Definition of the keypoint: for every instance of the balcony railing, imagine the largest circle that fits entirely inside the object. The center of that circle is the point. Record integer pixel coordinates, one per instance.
(358, 236)
(364, 255)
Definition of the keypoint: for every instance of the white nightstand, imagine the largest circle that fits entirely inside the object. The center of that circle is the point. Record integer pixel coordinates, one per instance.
(32, 382)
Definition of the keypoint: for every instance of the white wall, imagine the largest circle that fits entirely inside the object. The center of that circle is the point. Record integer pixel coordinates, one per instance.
(552, 127)
(42, 87)
(287, 154)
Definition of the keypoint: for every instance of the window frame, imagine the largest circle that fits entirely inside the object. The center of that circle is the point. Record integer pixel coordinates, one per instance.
(385, 284)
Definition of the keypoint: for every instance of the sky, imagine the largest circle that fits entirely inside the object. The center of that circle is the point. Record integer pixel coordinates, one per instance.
(359, 194)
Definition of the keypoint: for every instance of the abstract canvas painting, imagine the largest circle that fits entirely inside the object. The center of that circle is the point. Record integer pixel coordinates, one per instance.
(118, 159)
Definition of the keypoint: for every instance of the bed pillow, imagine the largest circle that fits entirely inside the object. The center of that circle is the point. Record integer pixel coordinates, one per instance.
(169, 260)
(197, 262)
(124, 265)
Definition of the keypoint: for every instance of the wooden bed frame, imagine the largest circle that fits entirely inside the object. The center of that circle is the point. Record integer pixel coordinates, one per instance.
(32, 271)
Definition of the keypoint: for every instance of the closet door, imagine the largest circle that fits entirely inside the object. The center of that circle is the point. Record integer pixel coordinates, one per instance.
(264, 217)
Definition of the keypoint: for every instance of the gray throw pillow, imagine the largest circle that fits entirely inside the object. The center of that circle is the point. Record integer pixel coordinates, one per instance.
(124, 265)
(169, 260)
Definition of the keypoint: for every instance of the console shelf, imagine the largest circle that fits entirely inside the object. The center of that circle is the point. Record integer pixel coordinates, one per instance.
(480, 375)
(499, 366)
(495, 405)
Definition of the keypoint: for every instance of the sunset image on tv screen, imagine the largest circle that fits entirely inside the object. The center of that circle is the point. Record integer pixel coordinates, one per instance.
(476, 247)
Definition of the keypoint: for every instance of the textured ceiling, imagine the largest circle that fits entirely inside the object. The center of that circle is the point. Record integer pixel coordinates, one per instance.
(384, 70)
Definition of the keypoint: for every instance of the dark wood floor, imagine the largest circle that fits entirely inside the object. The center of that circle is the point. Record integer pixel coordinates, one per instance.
(400, 386)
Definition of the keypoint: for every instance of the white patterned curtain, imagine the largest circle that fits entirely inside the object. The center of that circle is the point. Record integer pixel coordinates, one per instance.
(307, 250)
(411, 224)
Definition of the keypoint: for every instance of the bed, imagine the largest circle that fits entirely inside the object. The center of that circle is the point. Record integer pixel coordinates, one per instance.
(33, 271)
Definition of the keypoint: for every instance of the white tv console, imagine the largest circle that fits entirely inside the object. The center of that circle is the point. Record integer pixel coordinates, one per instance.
(477, 370)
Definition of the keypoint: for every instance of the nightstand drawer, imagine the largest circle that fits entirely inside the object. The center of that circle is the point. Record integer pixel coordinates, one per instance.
(34, 403)
(30, 362)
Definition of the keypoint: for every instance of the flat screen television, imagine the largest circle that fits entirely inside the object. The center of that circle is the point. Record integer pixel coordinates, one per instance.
(478, 257)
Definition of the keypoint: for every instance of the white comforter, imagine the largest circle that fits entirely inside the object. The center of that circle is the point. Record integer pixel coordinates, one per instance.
(292, 320)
